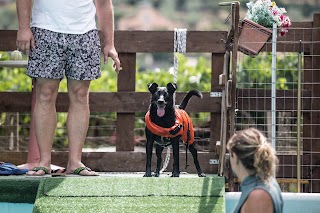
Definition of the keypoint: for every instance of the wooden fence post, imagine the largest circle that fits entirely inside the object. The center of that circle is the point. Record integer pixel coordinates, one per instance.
(125, 121)
(217, 61)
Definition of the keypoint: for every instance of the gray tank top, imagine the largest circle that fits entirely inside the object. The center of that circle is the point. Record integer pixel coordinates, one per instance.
(271, 187)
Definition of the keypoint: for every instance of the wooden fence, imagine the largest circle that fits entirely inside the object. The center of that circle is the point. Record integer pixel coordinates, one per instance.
(124, 101)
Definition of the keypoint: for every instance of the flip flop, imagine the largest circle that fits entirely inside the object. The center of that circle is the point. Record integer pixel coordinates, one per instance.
(80, 169)
(38, 168)
(11, 169)
(58, 172)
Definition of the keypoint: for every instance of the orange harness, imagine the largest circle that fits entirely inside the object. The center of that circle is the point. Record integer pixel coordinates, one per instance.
(183, 122)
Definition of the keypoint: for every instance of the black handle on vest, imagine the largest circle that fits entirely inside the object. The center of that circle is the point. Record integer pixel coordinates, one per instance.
(176, 130)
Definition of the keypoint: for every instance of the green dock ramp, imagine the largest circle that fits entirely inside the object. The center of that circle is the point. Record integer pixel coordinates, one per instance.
(110, 193)
(18, 189)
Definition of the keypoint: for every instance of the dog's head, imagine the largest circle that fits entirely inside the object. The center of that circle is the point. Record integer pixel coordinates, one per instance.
(162, 98)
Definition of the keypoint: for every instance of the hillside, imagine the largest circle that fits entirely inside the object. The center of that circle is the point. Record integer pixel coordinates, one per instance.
(170, 14)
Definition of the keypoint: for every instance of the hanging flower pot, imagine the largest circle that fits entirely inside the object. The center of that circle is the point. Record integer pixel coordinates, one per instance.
(252, 37)
(255, 28)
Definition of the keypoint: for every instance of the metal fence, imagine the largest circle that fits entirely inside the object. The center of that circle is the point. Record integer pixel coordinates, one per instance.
(294, 133)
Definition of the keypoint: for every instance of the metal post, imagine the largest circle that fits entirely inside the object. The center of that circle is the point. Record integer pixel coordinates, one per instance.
(273, 86)
(299, 123)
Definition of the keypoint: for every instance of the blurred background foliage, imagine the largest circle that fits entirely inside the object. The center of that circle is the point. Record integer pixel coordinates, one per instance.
(256, 72)
(190, 14)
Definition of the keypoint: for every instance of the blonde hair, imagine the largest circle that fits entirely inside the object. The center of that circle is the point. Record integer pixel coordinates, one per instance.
(254, 152)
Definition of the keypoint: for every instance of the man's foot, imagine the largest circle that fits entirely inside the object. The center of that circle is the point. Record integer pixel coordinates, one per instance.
(30, 166)
(39, 171)
(81, 170)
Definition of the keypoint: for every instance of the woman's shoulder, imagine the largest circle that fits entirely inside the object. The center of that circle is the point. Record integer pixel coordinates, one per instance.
(258, 201)
(259, 194)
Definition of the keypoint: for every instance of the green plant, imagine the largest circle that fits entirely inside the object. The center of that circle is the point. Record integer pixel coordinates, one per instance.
(256, 72)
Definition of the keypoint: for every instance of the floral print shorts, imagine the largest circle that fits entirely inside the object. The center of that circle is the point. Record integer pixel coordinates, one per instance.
(76, 56)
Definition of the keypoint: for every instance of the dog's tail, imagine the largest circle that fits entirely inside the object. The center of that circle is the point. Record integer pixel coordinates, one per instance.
(186, 99)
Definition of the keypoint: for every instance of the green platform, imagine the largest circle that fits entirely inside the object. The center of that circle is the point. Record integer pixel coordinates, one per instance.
(128, 193)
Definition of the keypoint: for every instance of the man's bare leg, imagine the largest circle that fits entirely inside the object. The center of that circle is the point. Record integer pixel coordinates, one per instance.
(33, 157)
(45, 120)
(77, 123)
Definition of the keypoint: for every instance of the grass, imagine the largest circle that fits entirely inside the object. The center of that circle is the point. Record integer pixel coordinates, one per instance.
(131, 194)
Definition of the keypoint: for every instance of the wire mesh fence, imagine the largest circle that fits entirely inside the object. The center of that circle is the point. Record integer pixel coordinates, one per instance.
(101, 136)
(254, 95)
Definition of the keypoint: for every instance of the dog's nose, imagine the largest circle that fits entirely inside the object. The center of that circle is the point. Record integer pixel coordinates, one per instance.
(160, 101)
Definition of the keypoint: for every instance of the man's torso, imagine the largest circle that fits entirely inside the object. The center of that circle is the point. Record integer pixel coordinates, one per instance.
(64, 16)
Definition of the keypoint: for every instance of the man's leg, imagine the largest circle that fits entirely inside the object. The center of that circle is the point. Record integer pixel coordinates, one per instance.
(45, 120)
(77, 123)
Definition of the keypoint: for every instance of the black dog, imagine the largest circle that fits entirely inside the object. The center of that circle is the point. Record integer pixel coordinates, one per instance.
(163, 114)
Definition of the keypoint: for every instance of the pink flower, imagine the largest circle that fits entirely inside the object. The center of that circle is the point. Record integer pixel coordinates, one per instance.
(283, 32)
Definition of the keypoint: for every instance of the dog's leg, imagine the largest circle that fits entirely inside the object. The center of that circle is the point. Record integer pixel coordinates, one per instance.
(194, 153)
(175, 147)
(149, 147)
(159, 150)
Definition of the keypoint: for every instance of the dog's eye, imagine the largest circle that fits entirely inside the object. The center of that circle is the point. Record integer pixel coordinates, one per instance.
(167, 94)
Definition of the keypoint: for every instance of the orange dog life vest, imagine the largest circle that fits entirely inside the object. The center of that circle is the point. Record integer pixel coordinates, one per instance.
(183, 122)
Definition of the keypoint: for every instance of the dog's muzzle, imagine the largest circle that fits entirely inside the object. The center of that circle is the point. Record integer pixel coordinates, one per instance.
(161, 106)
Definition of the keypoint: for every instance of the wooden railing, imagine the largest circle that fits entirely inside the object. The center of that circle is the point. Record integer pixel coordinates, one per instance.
(124, 101)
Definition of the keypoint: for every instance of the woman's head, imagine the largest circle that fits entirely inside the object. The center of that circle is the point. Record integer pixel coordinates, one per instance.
(255, 153)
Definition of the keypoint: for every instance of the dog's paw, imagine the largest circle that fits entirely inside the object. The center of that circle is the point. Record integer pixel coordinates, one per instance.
(175, 175)
(202, 175)
(147, 175)
(156, 174)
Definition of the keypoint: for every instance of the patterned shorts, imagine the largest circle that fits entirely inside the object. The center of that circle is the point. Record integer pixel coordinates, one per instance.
(76, 56)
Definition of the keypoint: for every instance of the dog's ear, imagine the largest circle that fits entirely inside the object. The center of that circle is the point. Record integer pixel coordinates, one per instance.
(171, 87)
(153, 87)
